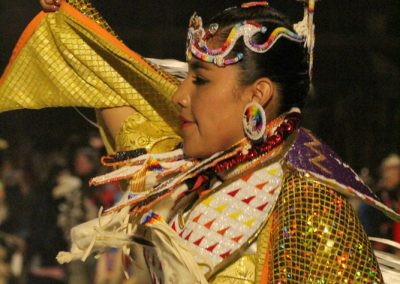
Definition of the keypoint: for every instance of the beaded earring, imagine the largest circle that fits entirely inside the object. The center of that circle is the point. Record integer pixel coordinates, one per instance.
(254, 122)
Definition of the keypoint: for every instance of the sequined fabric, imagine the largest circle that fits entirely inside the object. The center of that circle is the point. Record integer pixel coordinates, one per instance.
(309, 155)
(88, 10)
(312, 236)
(315, 237)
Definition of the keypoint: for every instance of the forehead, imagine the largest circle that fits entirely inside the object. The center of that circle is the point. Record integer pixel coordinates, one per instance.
(214, 71)
(196, 64)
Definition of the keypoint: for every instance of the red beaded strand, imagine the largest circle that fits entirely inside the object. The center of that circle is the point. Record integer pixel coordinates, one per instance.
(287, 127)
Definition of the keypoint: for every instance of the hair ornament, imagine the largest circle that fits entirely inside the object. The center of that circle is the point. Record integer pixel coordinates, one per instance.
(254, 4)
(195, 32)
(306, 28)
(213, 28)
(197, 41)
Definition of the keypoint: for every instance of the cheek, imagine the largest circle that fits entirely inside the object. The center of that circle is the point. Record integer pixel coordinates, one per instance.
(221, 121)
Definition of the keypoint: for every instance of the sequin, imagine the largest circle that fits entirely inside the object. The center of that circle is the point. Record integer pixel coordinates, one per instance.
(321, 240)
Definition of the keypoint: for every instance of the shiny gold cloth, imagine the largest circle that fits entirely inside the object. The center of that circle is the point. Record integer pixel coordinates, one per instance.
(72, 59)
(312, 236)
(67, 59)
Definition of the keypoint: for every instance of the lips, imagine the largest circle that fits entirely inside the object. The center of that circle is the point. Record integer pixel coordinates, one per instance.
(185, 123)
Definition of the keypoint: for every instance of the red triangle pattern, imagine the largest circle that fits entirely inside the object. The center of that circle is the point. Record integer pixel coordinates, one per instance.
(237, 239)
(188, 235)
(272, 191)
(233, 192)
(173, 226)
(261, 185)
(247, 177)
(262, 206)
(212, 247)
(198, 242)
(223, 231)
(209, 224)
(181, 233)
(197, 218)
(248, 199)
(225, 254)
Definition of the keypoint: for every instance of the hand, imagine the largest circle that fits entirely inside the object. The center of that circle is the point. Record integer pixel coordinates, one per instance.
(50, 5)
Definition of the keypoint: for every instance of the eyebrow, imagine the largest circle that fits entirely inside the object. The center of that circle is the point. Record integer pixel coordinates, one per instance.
(196, 65)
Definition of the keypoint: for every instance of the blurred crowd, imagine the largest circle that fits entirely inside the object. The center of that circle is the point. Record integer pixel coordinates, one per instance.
(44, 194)
(387, 188)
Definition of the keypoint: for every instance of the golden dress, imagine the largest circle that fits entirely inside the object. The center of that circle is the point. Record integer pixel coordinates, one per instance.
(310, 234)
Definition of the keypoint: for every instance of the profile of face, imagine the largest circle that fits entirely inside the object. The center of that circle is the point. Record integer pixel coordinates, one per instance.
(82, 165)
(391, 176)
(211, 102)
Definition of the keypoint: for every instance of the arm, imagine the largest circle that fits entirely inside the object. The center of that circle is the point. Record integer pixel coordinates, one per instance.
(74, 61)
(114, 117)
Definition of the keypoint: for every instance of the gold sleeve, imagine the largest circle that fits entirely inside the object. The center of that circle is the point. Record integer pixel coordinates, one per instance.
(314, 236)
(73, 58)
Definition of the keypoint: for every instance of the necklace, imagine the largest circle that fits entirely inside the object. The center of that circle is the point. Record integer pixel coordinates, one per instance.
(239, 154)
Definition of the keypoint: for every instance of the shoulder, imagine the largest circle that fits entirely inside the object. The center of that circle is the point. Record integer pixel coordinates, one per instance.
(314, 232)
(309, 156)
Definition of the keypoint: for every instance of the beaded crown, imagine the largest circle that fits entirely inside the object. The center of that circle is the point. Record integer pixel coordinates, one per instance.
(197, 37)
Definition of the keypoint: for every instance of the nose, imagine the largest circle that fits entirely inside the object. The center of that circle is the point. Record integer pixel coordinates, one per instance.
(182, 94)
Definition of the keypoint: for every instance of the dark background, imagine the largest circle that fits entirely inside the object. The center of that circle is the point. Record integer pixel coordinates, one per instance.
(356, 103)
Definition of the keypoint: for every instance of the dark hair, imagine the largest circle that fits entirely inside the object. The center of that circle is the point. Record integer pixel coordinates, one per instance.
(286, 63)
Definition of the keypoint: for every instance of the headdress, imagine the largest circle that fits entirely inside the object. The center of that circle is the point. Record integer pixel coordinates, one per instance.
(247, 29)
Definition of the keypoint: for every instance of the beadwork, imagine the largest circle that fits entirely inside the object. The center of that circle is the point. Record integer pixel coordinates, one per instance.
(197, 41)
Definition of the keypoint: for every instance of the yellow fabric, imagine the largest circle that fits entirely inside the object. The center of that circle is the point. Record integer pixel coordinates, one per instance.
(87, 9)
(136, 132)
(316, 237)
(312, 236)
(63, 62)
(241, 271)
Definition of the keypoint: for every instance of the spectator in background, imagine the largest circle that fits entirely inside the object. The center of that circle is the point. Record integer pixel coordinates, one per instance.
(79, 204)
(45, 237)
(388, 189)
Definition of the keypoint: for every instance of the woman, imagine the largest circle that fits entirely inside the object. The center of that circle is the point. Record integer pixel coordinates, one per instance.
(257, 199)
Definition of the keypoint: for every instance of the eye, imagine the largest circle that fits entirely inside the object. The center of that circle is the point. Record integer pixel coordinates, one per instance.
(199, 81)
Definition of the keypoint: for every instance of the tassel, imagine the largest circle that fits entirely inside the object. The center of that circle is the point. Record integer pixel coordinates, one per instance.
(306, 28)
(98, 234)
(178, 258)
(174, 67)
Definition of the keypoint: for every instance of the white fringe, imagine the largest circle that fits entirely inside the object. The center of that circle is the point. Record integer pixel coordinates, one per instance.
(97, 235)
(177, 258)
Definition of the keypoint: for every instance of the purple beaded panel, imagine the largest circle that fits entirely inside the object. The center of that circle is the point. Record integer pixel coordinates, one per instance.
(310, 155)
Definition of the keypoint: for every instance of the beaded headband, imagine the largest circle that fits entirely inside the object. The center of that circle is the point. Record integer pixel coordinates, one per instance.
(197, 37)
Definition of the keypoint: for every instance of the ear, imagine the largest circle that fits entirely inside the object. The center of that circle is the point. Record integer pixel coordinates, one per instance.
(263, 91)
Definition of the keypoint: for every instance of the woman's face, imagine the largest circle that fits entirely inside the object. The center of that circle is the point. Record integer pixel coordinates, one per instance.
(211, 102)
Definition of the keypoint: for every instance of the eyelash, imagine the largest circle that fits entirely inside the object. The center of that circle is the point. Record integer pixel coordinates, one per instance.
(197, 80)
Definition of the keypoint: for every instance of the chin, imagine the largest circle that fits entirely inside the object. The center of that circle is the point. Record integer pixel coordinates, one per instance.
(193, 151)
